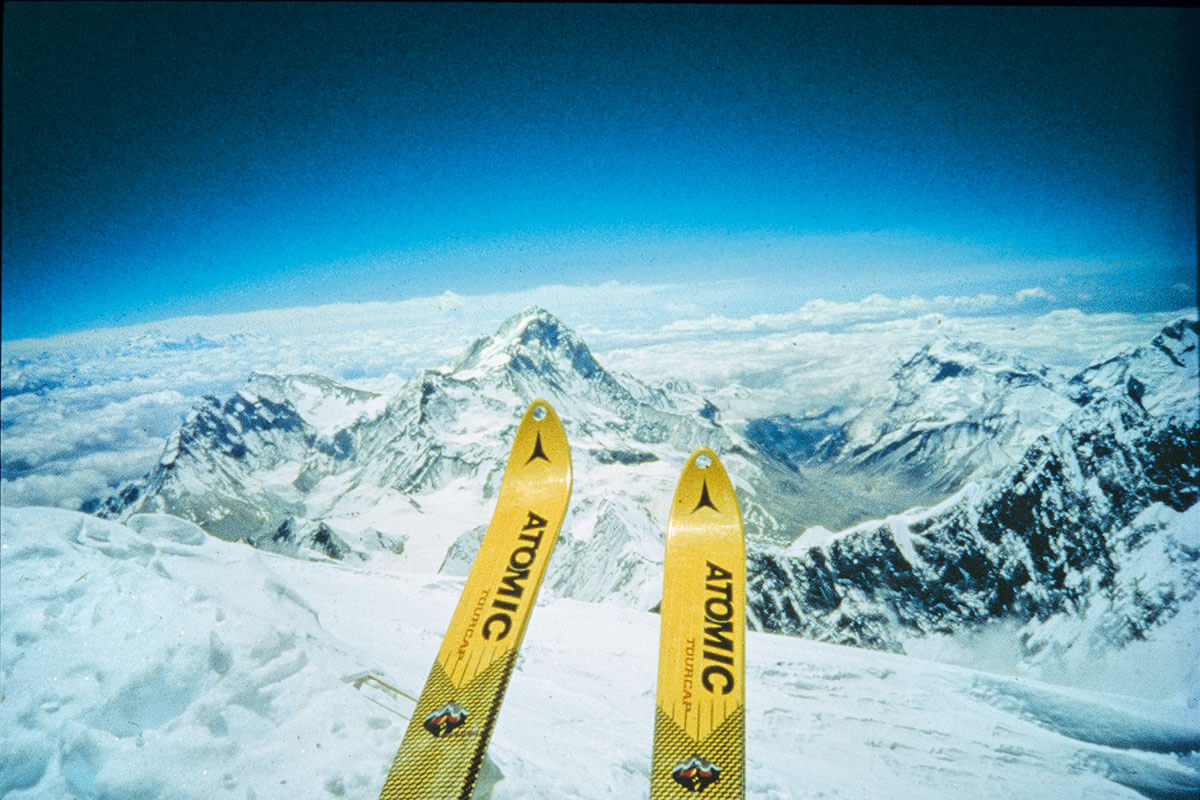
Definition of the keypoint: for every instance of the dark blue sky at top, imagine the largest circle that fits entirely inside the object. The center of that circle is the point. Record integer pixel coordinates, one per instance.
(166, 159)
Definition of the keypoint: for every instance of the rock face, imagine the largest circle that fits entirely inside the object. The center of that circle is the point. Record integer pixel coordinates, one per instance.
(302, 465)
(952, 413)
(1059, 531)
(1046, 493)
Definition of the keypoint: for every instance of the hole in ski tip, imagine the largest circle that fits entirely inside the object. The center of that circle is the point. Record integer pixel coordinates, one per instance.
(704, 461)
(539, 412)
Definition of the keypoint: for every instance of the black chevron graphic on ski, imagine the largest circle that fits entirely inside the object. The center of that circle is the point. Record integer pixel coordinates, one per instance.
(538, 452)
(705, 500)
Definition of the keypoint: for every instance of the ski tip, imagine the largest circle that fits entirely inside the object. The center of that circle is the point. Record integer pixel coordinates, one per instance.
(541, 438)
(703, 458)
(704, 485)
(541, 416)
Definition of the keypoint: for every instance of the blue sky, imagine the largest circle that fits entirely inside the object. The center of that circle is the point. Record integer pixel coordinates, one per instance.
(169, 159)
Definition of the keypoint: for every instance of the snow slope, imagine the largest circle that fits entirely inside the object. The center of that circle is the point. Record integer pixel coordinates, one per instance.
(146, 660)
(959, 411)
(300, 463)
(951, 413)
(1091, 536)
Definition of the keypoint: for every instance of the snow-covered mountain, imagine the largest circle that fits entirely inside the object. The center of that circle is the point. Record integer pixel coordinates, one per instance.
(150, 658)
(1159, 377)
(149, 661)
(1092, 535)
(302, 465)
(951, 413)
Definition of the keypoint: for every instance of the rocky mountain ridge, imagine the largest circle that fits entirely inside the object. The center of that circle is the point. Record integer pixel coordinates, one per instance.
(1058, 533)
(302, 465)
(951, 413)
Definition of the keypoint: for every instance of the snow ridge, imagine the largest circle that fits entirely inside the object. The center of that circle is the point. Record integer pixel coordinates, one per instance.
(303, 466)
(952, 413)
(1059, 535)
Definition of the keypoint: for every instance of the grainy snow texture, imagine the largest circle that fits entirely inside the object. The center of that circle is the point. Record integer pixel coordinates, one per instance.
(1035, 483)
(250, 620)
(148, 661)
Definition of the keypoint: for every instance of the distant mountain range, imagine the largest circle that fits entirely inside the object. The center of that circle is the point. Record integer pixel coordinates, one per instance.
(1046, 497)
(951, 413)
(299, 464)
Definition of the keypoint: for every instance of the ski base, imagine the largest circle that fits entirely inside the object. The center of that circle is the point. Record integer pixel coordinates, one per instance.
(447, 736)
(700, 719)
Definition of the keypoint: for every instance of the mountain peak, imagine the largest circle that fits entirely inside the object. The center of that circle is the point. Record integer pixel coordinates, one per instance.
(1178, 341)
(532, 339)
(533, 323)
(534, 354)
(1159, 376)
(951, 357)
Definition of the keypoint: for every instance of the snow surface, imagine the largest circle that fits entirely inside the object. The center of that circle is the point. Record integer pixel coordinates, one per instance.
(150, 661)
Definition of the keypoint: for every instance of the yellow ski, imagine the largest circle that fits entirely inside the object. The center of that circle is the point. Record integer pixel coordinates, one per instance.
(700, 718)
(443, 748)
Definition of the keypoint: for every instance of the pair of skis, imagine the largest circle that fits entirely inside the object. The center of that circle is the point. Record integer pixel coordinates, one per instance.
(699, 726)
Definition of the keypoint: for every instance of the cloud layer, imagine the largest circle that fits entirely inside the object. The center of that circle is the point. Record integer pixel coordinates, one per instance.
(84, 412)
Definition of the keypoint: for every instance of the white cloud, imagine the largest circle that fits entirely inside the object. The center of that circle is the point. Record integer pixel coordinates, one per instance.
(825, 313)
(979, 302)
(1033, 293)
(86, 411)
